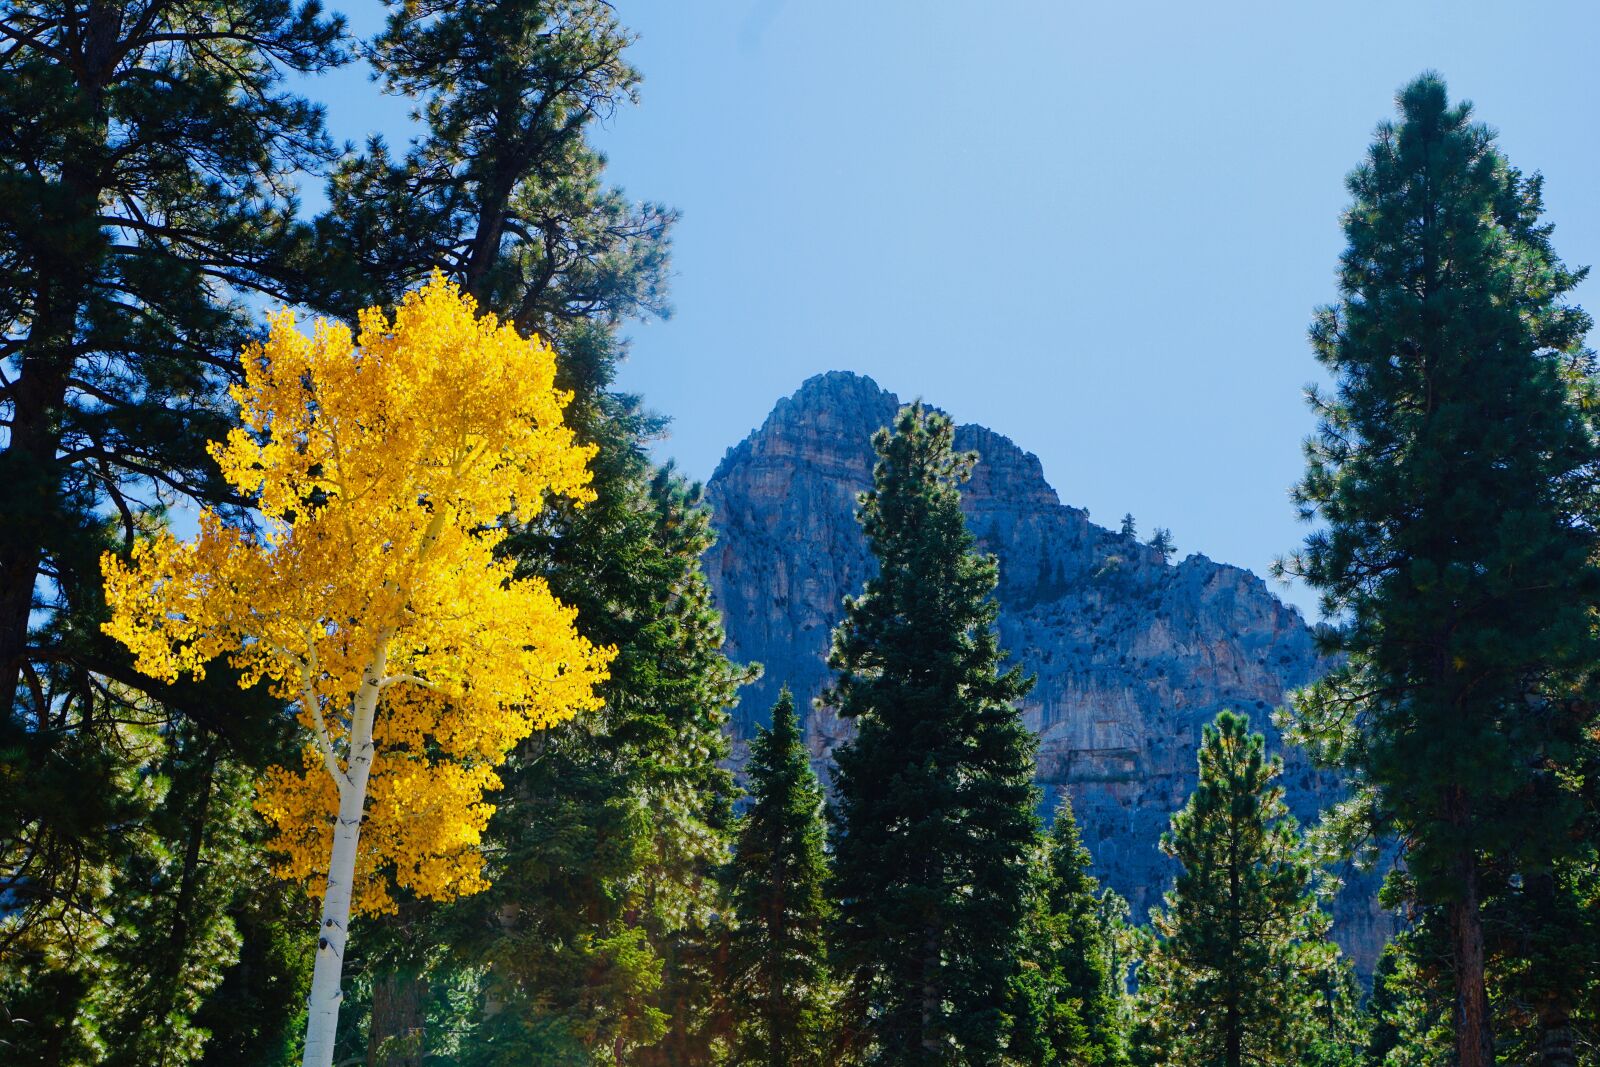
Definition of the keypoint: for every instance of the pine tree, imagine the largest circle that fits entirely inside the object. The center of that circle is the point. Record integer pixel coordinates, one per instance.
(611, 830)
(1162, 542)
(1233, 976)
(256, 1015)
(131, 221)
(1338, 1026)
(1451, 472)
(1129, 530)
(1410, 1003)
(153, 930)
(778, 969)
(935, 801)
(145, 171)
(502, 191)
(1070, 941)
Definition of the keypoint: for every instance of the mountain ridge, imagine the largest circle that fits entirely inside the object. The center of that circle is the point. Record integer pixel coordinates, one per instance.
(1133, 653)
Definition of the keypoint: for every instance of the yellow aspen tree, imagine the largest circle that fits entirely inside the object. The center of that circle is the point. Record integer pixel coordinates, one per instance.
(369, 595)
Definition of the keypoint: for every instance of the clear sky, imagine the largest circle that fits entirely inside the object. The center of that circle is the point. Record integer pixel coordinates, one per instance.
(1098, 228)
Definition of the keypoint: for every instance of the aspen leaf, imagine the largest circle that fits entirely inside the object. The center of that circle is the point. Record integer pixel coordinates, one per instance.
(382, 463)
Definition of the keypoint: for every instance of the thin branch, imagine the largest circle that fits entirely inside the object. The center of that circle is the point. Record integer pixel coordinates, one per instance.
(308, 696)
(394, 679)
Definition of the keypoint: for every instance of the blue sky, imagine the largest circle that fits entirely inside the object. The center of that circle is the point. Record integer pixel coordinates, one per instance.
(1100, 229)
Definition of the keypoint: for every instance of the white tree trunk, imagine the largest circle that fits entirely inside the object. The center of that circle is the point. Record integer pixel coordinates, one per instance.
(322, 1020)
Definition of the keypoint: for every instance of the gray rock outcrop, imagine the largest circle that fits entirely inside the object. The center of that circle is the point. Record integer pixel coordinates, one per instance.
(1133, 653)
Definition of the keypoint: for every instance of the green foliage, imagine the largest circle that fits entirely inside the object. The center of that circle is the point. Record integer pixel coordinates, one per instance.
(1071, 945)
(143, 190)
(606, 915)
(127, 969)
(778, 973)
(502, 190)
(1453, 471)
(1235, 973)
(1537, 934)
(1339, 1025)
(146, 151)
(935, 801)
(1410, 1004)
(145, 167)
(256, 1016)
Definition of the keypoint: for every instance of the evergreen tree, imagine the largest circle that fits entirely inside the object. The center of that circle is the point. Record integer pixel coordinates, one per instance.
(126, 964)
(502, 191)
(1451, 471)
(145, 158)
(935, 801)
(1162, 542)
(1071, 944)
(601, 929)
(1412, 998)
(1410, 1004)
(146, 155)
(256, 1015)
(1233, 976)
(778, 973)
(1129, 530)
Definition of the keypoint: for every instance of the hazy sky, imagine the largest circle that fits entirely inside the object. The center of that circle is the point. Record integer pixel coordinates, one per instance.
(1100, 228)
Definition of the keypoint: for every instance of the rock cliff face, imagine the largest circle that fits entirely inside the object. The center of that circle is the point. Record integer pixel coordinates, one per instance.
(1132, 653)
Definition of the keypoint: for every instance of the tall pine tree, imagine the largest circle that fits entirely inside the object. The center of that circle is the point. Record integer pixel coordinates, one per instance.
(778, 975)
(1070, 940)
(935, 801)
(1234, 974)
(1452, 472)
(601, 930)
(147, 154)
(147, 160)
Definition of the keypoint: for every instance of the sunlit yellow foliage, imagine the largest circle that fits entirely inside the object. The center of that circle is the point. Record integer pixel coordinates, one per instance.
(382, 467)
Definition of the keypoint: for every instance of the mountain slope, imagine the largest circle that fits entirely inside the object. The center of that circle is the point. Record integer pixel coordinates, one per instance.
(1132, 653)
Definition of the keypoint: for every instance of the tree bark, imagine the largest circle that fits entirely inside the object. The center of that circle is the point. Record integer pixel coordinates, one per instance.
(30, 476)
(1474, 1038)
(398, 1036)
(29, 498)
(30, 484)
(1474, 1034)
(1557, 1047)
(931, 1000)
(322, 1019)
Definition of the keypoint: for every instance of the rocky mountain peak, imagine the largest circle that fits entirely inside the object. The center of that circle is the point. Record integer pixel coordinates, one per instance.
(1132, 653)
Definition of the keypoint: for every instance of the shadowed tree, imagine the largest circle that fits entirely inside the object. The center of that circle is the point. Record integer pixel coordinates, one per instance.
(146, 160)
(935, 796)
(778, 969)
(148, 152)
(1232, 977)
(1454, 471)
(1071, 943)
